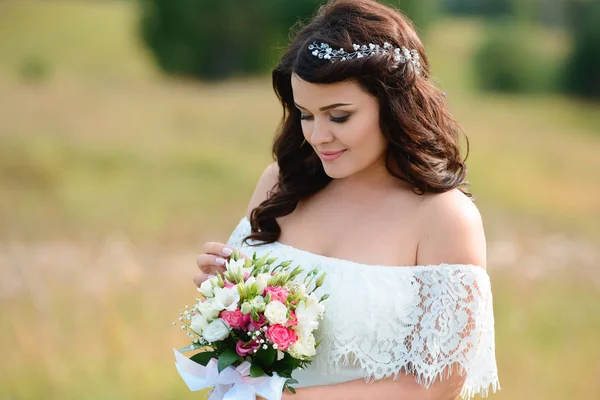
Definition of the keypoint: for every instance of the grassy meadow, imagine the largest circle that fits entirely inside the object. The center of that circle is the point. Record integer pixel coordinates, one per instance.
(113, 176)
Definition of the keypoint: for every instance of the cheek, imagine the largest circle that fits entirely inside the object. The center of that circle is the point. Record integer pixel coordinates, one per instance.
(364, 136)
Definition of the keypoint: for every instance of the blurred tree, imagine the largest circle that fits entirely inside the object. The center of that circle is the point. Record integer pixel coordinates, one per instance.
(506, 62)
(215, 39)
(489, 8)
(582, 72)
(421, 12)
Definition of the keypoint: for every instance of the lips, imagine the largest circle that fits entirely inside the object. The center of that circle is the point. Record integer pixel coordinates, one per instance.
(331, 155)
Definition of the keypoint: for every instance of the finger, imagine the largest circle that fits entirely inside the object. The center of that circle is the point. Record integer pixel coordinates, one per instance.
(220, 249)
(199, 278)
(210, 264)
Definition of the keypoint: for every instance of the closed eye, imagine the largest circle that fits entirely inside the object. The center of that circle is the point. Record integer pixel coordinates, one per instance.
(339, 120)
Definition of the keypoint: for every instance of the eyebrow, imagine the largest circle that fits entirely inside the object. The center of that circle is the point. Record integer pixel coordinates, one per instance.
(326, 107)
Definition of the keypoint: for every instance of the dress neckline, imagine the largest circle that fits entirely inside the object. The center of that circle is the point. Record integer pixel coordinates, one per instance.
(351, 263)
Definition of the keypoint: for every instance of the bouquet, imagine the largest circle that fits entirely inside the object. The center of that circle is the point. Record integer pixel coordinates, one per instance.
(254, 324)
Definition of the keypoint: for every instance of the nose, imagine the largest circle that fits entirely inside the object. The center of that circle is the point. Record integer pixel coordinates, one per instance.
(320, 133)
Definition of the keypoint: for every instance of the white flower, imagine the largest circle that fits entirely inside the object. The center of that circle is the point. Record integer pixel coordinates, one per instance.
(216, 330)
(295, 287)
(206, 289)
(261, 282)
(208, 308)
(249, 282)
(304, 347)
(237, 267)
(276, 313)
(246, 308)
(226, 298)
(258, 303)
(308, 313)
(199, 323)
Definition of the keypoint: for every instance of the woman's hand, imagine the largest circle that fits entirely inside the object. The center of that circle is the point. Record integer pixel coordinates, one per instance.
(212, 260)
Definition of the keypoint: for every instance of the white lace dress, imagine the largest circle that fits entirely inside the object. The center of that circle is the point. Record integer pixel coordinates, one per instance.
(384, 320)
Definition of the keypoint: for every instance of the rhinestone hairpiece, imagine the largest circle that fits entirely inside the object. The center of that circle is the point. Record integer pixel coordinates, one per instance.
(402, 55)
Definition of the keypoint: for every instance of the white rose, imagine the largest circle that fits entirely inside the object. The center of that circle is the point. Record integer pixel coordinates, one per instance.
(206, 289)
(258, 303)
(304, 347)
(261, 282)
(216, 330)
(276, 313)
(208, 308)
(199, 323)
(226, 298)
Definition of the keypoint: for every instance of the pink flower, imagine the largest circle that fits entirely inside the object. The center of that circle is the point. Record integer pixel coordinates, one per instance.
(255, 325)
(277, 293)
(293, 320)
(235, 319)
(280, 335)
(244, 349)
(246, 276)
(230, 285)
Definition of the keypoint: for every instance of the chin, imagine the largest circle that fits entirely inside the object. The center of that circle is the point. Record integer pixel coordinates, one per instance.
(336, 172)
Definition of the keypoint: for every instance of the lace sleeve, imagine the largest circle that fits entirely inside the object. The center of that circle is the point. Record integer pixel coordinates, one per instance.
(455, 331)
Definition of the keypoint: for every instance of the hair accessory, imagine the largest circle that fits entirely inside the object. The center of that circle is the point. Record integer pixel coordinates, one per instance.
(402, 55)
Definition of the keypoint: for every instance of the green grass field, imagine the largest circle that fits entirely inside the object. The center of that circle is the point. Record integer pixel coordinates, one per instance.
(112, 177)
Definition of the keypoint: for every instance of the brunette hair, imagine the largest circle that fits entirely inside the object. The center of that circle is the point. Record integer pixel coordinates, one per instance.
(423, 137)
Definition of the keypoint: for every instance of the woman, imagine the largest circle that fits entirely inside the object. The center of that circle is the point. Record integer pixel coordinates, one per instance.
(368, 186)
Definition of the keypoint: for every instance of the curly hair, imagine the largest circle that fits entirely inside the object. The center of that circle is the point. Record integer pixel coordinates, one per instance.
(422, 136)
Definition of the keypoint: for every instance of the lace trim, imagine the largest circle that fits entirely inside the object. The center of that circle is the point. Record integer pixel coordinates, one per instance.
(427, 320)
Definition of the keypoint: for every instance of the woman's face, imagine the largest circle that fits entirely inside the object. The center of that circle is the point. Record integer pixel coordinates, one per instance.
(341, 122)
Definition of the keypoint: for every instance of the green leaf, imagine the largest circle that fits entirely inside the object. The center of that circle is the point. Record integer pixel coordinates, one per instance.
(227, 358)
(291, 381)
(285, 373)
(204, 357)
(265, 357)
(291, 389)
(289, 363)
(256, 371)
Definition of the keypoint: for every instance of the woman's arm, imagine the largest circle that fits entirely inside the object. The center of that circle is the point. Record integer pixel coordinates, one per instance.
(405, 387)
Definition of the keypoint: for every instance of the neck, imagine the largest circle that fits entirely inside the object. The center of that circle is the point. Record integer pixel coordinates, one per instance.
(374, 177)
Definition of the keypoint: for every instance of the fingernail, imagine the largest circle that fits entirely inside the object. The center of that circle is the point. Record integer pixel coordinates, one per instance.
(227, 251)
(220, 261)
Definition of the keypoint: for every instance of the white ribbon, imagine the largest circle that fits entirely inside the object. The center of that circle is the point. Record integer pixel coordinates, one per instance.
(231, 384)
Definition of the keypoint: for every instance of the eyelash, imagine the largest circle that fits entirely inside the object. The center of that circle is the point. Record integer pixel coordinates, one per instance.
(339, 120)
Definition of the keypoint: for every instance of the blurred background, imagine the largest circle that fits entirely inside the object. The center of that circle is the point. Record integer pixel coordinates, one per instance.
(131, 132)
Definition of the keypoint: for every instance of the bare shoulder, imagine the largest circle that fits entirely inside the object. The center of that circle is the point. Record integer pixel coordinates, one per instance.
(451, 230)
(265, 184)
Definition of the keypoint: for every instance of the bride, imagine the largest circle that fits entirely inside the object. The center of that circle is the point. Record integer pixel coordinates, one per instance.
(368, 186)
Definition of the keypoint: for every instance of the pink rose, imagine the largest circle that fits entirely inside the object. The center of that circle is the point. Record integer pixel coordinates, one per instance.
(293, 320)
(244, 349)
(280, 335)
(277, 293)
(255, 325)
(235, 319)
